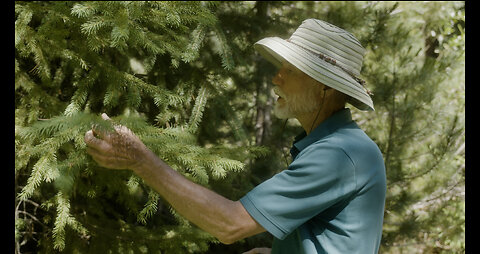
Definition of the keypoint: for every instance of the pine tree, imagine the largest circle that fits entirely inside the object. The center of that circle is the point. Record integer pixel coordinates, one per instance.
(135, 61)
(420, 128)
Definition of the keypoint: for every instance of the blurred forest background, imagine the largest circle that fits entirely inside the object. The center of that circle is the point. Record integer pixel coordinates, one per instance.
(185, 78)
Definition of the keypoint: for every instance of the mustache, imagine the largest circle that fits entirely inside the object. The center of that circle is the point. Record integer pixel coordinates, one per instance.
(279, 92)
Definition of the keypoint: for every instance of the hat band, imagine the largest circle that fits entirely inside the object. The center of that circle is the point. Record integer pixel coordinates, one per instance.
(332, 61)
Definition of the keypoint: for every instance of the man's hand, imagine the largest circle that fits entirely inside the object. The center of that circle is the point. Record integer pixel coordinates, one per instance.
(116, 150)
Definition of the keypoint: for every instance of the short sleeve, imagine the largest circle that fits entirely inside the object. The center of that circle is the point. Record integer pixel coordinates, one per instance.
(319, 177)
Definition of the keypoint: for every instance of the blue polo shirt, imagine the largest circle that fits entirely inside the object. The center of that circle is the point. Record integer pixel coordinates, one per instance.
(331, 198)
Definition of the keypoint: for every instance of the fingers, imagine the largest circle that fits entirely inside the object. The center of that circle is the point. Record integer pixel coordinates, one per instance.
(95, 143)
(111, 149)
(116, 127)
(105, 117)
(107, 161)
(100, 132)
(102, 160)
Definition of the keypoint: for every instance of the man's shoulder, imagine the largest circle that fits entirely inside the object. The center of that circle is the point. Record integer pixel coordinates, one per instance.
(351, 141)
(341, 138)
(327, 145)
(326, 151)
(352, 136)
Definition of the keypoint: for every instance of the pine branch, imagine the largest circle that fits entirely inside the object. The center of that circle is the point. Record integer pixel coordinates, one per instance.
(197, 38)
(93, 26)
(198, 108)
(220, 166)
(224, 51)
(63, 219)
(160, 96)
(150, 207)
(82, 11)
(200, 174)
(43, 170)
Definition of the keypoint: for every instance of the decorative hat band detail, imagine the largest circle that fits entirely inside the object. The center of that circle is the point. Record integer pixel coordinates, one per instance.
(332, 61)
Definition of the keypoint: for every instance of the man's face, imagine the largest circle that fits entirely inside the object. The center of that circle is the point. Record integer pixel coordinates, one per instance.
(298, 93)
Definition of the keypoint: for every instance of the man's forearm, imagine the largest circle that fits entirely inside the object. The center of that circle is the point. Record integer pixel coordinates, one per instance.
(122, 149)
(211, 212)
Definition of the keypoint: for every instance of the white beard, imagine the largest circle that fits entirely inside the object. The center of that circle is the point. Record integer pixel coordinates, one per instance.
(282, 111)
(294, 104)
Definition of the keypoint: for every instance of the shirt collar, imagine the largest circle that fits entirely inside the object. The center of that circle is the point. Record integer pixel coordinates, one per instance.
(328, 126)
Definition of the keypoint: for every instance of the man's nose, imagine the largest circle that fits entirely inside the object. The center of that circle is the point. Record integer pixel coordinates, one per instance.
(277, 79)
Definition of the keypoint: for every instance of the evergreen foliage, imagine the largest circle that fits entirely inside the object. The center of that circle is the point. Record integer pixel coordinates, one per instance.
(73, 61)
(185, 78)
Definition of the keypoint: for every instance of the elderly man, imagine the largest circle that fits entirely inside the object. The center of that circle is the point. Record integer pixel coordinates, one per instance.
(330, 199)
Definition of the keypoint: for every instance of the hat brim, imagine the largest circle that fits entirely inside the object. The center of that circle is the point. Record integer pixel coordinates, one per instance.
(277, 50)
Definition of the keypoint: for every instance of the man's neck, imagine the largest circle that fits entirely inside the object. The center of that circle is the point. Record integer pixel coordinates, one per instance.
(312, 120)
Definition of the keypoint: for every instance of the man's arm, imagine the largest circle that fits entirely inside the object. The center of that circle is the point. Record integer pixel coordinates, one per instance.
(227, 220)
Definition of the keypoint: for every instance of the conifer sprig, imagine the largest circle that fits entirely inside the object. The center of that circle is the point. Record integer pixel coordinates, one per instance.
(63, 219)
(197, 111)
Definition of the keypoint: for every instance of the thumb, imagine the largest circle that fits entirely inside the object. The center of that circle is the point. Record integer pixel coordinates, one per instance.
(105, 117)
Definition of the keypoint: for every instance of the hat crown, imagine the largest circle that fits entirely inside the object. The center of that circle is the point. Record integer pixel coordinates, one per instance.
(326, 39)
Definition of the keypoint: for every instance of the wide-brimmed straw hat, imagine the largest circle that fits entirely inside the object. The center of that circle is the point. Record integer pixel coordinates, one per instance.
(326, 53)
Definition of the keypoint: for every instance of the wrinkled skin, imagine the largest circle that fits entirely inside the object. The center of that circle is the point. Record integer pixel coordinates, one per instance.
(121, 149)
